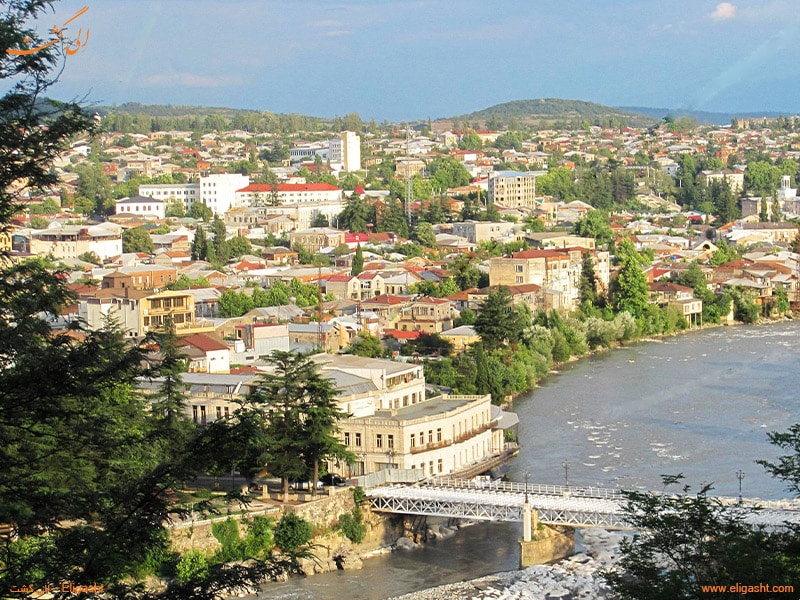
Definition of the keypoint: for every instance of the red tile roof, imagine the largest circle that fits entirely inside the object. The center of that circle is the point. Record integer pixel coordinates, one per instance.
(290, 187)
(203, 342)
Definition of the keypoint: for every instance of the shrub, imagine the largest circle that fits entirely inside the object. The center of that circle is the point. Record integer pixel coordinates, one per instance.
(352, 526)
(227, 534)
(259, 540)
(192, 566)
(359, 495)
(292, 533)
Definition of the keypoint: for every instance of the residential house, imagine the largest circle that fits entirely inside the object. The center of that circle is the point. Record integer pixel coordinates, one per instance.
(461, 337)
(206, 354)
(671, 294)
(428, 315)
(143, 206)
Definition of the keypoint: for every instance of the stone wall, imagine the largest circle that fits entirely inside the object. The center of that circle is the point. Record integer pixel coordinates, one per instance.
(547, 545)
(332, 550)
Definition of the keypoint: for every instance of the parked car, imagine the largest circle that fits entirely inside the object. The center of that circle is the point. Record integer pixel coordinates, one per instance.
(333, 479)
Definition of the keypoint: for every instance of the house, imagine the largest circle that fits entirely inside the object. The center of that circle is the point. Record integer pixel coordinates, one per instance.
(150, 208)
(484, 231)
(254, 341)
(279, 255)
(364, 286)
(206, 354)
(428, 315)
(140, 277)
(671, 294)
(461, 337)
(316, 238)
(138, 312)
(70, 241)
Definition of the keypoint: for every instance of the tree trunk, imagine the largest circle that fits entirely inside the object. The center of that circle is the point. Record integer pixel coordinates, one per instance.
(314, 479)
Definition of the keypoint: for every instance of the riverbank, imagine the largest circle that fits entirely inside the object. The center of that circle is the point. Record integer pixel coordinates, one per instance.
(579, 576)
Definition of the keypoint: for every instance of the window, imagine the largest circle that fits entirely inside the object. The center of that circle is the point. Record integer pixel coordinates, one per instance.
(518, 268)
(219, 412)
(203, 415)
(439, 434)
(346, 438)
(194, 414)
(518, 279)
(379, 440)
(227, 412)
(413, 440)
(440, 466)
(358, 440)
(430, 436)
(389, 440)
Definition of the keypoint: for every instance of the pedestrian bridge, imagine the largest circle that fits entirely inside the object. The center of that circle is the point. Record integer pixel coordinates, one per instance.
(503, 501)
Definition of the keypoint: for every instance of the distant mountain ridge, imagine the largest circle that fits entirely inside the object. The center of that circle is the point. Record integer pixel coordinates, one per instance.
(701, 116)
(544, 111)
(539, 112)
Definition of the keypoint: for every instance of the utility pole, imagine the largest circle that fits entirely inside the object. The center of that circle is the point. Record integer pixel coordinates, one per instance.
(409, 184)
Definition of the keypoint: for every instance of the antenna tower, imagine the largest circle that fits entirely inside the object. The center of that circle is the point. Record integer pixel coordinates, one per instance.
(409, 184)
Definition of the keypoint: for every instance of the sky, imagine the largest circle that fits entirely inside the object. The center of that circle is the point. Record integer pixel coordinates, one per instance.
(407, 60)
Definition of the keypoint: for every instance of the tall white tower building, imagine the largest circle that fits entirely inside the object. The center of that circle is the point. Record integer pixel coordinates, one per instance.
(346, 151)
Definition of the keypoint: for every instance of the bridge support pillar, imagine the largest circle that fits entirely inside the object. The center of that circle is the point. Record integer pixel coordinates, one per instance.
(548, 544)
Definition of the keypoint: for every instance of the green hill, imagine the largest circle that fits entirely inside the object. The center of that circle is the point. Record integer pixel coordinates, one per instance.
(544, 112)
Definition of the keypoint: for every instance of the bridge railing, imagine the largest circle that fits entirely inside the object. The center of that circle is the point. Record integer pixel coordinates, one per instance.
(531, 488)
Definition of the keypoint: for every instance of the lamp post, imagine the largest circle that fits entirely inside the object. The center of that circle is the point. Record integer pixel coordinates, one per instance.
(740, 476)
(390, 454)
(565, 464)
(527, 474)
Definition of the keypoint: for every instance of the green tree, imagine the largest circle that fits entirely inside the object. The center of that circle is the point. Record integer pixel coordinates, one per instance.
(595, 224)
(423, 233)
(499, 321)
(198, 210)
(237, 246)
(301, 416)
(630, 291)
(762, 178)
(356, 214)
(220, 247)
(137, 240)
(367, 345)
(470, 141)
(588, 282)
(293, 536)
(465, 274)
(95, 185)
(199, 244)
(172, 427)
(687, 540)
(175, 208)
(393, 218)
(447, 172)
(357, 265)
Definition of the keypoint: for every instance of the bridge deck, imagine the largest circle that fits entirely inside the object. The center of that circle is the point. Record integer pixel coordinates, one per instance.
(503, 501)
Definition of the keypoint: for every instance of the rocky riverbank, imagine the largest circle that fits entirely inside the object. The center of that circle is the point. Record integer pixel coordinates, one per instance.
(576, 577)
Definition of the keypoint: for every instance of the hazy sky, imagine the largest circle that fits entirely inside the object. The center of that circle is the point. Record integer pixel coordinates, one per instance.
(407, 59)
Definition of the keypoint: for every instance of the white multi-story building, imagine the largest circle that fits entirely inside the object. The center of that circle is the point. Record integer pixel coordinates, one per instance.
(188, 193)
(345, 151)
(392, 424)
(218, 191)
(309, 151)
(301, 202)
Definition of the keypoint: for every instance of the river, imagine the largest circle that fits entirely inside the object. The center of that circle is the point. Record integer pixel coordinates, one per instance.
(699, 404)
